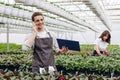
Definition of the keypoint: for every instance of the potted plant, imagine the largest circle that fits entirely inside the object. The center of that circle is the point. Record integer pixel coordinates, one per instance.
(26, 14)
(8, 10)
(15, 12)
(1, 19)
(16, 22)
(10, 20)
(5, 20)
(2, 8)
(20, 13)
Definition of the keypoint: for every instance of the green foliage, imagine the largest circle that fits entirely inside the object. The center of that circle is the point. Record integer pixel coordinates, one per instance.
(12, 46)
(90, 64)
(27, 75)
(87, 47)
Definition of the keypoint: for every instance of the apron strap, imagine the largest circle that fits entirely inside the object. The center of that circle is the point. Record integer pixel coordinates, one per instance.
(49, 34)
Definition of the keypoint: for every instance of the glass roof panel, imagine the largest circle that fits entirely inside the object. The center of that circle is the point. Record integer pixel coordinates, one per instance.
(84, 10)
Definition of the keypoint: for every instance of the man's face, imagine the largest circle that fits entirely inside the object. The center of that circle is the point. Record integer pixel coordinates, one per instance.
(39, 21)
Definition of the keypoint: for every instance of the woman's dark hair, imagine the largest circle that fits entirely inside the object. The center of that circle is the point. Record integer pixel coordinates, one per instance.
(105, 33)
(36, 14)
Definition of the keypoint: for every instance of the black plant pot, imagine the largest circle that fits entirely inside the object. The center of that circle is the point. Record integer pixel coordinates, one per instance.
(10, 67)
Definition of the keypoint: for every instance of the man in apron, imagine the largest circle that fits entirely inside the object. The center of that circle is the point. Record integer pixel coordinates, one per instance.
(43, 43)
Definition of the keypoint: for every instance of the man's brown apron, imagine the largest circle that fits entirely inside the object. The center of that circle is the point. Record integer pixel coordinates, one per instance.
(43, 53)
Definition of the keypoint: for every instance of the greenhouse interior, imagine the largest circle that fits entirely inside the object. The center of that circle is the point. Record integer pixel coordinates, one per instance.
(59, 40)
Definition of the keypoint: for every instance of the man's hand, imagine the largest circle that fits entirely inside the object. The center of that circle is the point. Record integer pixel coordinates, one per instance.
(63, 50)
(35, 28)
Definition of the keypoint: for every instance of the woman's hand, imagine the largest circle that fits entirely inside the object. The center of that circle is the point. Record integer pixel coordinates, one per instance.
(106, 53)
(99, 54)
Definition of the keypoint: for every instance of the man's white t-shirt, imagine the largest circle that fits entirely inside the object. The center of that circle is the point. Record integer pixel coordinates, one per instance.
(102, 45)
(43, 34)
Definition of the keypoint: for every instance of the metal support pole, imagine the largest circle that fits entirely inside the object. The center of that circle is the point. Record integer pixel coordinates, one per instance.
(71, 36)
(57, 34)
(95, 35)
(65, 35)
(7, 26)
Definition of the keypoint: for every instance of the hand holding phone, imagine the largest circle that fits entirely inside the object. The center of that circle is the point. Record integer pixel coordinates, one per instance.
(35, 28)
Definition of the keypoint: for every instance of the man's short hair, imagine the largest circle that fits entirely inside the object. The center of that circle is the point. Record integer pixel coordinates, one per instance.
(36, 14)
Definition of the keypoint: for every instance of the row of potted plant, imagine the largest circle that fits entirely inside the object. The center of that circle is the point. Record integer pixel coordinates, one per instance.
(10, 10)
(85, 64)
(27, 75)
(13, 11)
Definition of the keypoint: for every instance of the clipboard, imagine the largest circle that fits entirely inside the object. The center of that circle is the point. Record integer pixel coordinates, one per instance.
(72, 45)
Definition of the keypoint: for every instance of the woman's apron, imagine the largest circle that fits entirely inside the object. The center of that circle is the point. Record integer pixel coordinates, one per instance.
(43, 53)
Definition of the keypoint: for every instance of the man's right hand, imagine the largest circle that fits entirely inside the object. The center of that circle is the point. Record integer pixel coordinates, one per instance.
(35, 28)
(63, 50)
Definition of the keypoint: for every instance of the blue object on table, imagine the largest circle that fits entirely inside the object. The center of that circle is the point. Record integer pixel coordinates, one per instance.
(72, 45)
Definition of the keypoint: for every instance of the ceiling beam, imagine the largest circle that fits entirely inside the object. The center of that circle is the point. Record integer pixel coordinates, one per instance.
(100, 13)
(114, 9)
(78, 10)
(63, 1)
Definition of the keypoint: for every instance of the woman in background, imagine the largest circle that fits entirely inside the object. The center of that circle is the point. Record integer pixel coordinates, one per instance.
(101, 44)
